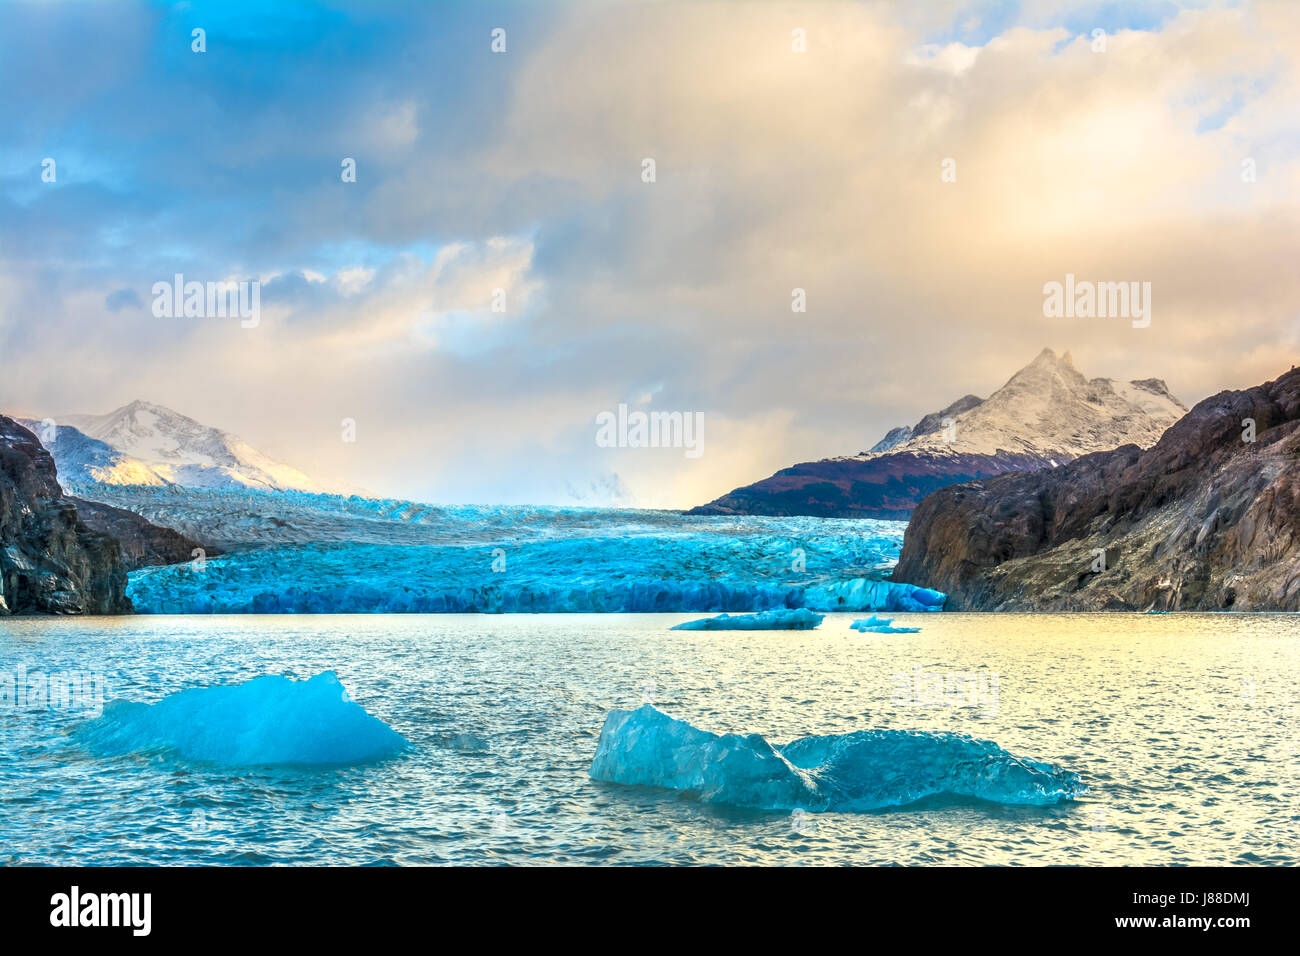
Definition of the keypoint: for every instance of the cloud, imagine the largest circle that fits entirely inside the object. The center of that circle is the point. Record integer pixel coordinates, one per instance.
(522, 172)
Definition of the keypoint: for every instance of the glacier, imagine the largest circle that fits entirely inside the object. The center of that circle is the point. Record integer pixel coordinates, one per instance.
(295, 552)
(265, 721)
(855, 772)
(777, 619)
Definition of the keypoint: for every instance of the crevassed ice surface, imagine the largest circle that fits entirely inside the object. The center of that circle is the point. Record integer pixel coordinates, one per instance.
(862, 770)
(297, 552)
(265, 721)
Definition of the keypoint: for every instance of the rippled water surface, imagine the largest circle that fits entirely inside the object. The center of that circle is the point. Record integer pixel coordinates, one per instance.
(1183, 726)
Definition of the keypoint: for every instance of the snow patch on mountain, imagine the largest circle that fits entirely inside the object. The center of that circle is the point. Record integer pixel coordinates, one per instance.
(147, 444)
(81, 459)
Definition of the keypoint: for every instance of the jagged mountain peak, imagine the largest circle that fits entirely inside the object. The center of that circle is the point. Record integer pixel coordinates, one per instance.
(1047, 357)
(1048, 366)
(1050, 409)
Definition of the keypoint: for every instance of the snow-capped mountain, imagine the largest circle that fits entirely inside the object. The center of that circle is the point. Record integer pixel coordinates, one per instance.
(81, 459)
(1045, 415)
(1050, 410)
(147, 444)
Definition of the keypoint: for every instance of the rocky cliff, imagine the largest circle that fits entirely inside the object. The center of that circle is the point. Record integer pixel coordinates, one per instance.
(143, 544)
(50, 562)
(1206, 519)
(1046, 414)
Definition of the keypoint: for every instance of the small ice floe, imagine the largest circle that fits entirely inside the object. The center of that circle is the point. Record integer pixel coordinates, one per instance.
(881, 625)
(466, 742)
(777, 619)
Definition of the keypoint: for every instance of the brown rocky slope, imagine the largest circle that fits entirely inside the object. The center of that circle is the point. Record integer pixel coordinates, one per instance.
(1203, 520)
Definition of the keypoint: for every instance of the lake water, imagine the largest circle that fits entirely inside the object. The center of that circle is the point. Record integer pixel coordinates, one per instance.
(1183, 726)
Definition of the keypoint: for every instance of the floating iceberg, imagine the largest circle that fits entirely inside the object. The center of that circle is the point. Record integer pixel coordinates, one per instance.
(881, 625)
(796, 619)
(874, 621)
(865, 770)
(264, 721)
(868, 594)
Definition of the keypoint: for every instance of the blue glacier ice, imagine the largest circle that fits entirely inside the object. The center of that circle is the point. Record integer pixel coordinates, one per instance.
(777, 619)
(292, 552)
(265, 721)
(881, 625)
(864, 770)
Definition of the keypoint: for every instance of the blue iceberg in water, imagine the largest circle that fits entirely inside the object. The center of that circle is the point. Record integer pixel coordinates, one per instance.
(264, 721)
(866, 594)
(881, 625)
(782, 619)
(865, 770)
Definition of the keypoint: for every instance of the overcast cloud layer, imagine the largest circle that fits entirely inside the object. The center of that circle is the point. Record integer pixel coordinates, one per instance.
(522, 171)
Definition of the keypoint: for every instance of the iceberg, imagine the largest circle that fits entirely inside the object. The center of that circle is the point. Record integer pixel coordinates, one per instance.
(797, 619)
(874, 621)
(881, 625)
(265, 721)
(867, 594)
(854, 772)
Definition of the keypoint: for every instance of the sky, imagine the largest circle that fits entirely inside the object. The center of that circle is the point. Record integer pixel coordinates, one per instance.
(501, 273)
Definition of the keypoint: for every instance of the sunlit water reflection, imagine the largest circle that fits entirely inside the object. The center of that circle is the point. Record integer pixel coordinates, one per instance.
(1182, 725)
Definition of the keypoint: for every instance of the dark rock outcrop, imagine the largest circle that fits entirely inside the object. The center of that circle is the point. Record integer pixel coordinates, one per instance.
(143, 544)
(886, 486)
(50, 562)
(1203, 520)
